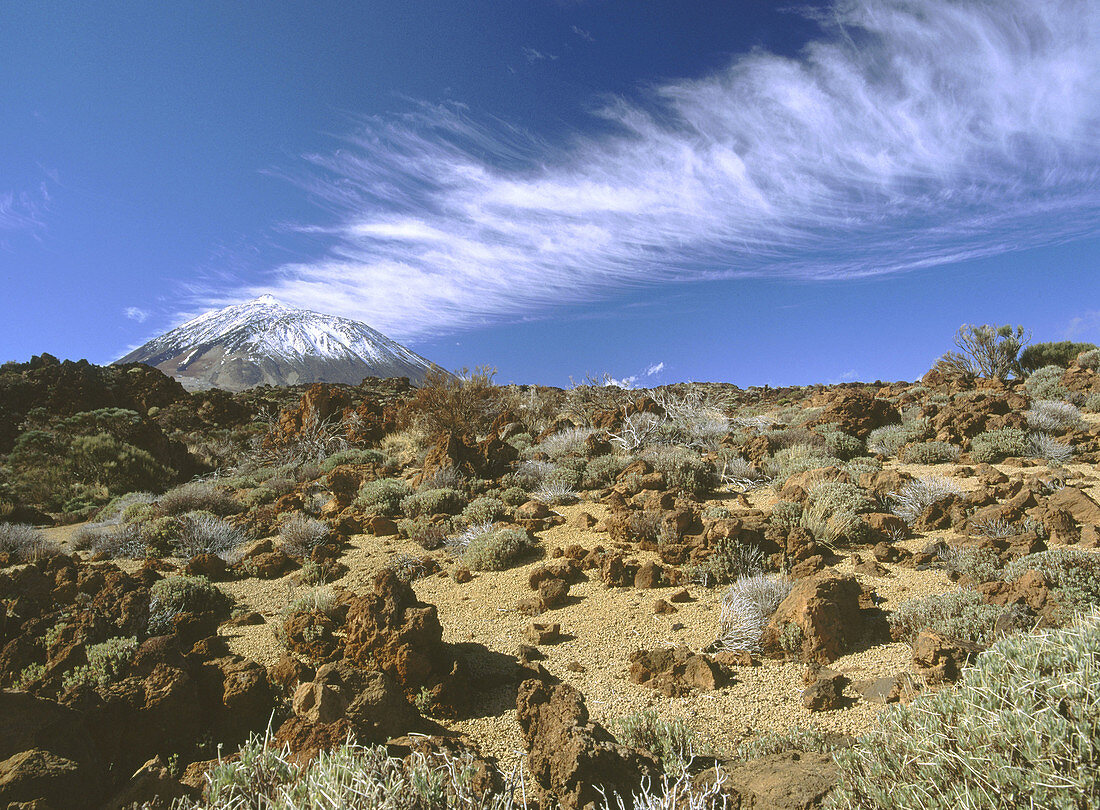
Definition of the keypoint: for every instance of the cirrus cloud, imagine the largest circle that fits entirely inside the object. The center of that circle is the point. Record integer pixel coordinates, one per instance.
(909, 134)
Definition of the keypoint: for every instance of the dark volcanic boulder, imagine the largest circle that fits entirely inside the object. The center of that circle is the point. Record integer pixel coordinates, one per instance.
(570, 758)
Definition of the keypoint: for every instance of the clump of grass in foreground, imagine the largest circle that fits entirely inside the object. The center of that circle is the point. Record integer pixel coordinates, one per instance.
(672, 742)
(350, 777)
(1019, 730)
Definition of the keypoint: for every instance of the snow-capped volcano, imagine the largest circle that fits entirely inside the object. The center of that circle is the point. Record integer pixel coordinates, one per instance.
(266, 342)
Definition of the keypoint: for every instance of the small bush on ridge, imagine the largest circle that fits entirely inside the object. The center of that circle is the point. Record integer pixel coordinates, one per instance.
(204, 533)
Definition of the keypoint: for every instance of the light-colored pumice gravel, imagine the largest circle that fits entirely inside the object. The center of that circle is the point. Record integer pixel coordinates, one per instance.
(603, 626)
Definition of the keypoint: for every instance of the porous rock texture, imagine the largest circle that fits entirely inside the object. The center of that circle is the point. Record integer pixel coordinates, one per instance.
(568, 756)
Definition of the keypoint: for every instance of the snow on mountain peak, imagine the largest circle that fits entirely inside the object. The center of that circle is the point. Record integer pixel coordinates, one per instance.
(266, 329)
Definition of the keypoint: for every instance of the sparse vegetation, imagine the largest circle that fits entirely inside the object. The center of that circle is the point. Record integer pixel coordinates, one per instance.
(672, 742)
(299, 534)
(697, 509)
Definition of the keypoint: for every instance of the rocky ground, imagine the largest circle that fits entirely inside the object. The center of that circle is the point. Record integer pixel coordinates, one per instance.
(125, 648)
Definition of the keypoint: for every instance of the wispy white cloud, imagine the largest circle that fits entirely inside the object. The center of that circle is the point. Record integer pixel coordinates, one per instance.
(1085, 325)
(137, 314)
(24, 210)
(585, 35)
(535, 55)
(848, 376)
(909, 134)
(650, 372)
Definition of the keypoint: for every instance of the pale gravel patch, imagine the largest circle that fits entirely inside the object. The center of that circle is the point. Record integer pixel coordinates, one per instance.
(604, 626)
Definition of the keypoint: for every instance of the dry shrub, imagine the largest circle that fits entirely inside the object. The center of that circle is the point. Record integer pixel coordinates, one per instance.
(464, 405)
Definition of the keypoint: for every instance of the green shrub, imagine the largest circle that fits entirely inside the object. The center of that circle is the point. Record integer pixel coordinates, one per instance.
(786, 514)
(106, 662)
(350, 777)
(929, 453)
(602, 471)
(727, 562)
(514, 496)
(810, 740)
(485, 509)
(1089, 359)
(433, 502)
(684, 470)
(498, 549)
(672, 742)
(837, 496)
(1046, 383)
(716, 513)
(855, 467)
(889, 439)
(383, 497)
(1019, 730)
(798, 459)
(963, 615)
(353, 455)
(171, 596)
(1092, 403)
(424, 532)
(117, 465)
(838, 443)
(1061, 354)
(979, 564)
(522, 442)
(997, 445)
(832, 510)
(562, 478)
(1075, 573)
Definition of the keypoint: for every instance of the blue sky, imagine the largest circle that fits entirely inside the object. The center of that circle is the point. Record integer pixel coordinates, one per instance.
(748, 192)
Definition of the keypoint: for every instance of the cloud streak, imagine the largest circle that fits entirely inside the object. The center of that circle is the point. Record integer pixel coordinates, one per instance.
(23, 211)
(909, 134)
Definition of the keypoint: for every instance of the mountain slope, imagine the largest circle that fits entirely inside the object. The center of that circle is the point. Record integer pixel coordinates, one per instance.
(264, 342)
